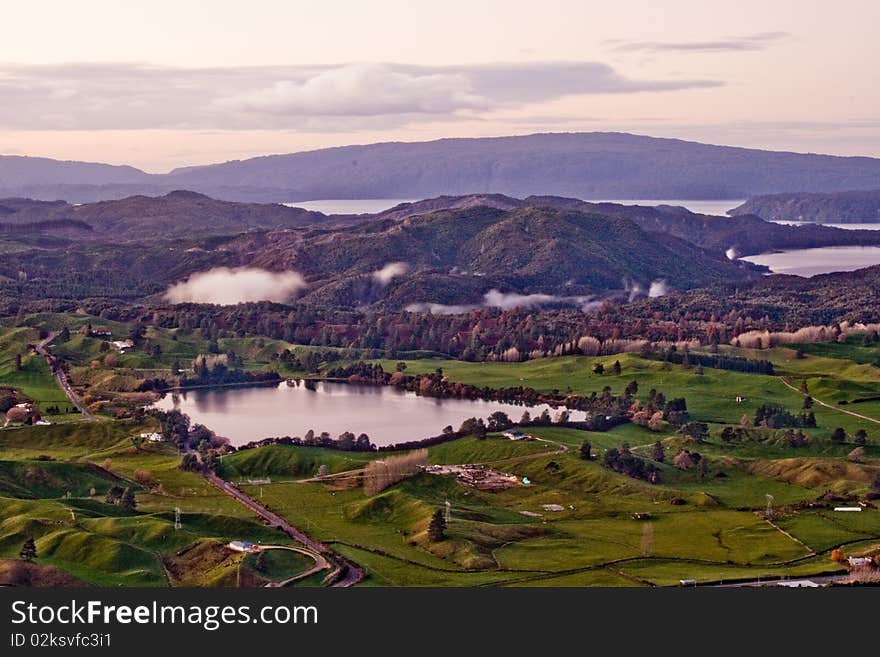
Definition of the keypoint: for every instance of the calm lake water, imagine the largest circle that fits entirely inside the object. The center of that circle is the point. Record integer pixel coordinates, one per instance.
(387, 415)
(372, 205)
(350, 206)
(811, 262)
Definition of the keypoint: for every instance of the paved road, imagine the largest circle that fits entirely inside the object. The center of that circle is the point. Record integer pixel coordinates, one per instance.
(832, 407)
(43, 349)
(320, 564)
(352, 575)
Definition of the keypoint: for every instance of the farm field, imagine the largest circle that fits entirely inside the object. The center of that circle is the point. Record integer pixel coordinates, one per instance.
(756, 507)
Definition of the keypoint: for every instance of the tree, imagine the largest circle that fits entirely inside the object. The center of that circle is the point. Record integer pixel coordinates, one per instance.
(838, 436)
(64, 336)
(804, 389)
(683, 460)
(189, 462)
(18, 362)
(114, 494)
(598, 368)
(616, 367)
(701, 468)
(658, 453)
(127, 501)
(631, 388)
(437, 527)
(28, 551)
(586, 451)
(696, 431)
(400, 367)
(656, 421)
(861, 437)
(808, 403)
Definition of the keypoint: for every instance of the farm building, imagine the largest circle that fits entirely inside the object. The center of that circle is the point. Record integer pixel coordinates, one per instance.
(242, 546)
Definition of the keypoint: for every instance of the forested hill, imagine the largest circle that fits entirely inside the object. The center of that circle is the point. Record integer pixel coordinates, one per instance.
(840, 207)
(457, 256)
(744, 234)
(177, 214)
(582, 165)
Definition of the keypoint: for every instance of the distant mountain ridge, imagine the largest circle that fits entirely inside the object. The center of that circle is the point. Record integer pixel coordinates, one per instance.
(839, 207)
(580, 165)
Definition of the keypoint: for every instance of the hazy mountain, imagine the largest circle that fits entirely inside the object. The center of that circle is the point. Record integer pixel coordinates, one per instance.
(19, 172)
(839, 207)
(582, 165)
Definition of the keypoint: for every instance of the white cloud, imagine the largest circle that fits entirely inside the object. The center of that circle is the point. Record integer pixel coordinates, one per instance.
(362, 90)
(658, 288)
(391, 270)
(224, 286)
(138, 96)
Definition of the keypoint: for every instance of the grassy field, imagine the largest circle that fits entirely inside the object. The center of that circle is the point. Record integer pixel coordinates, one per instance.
(575, 523)
(104, 544)
(34, 379)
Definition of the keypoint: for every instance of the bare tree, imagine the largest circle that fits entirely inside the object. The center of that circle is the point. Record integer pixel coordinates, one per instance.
(380, 474)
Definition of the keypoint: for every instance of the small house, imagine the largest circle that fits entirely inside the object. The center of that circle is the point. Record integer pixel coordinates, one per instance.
(740, 399)
(242, 546)
(859, 562)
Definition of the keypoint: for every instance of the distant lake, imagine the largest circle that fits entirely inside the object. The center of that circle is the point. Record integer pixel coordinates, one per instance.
(350, 206)
(811, 262)
(875, 226)
(387, 415)
(715, 207)
(373, 205)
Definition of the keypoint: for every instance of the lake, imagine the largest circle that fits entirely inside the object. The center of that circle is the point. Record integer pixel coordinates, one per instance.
(811, 262)
(386, 414)
(373, 205)
(350, 206)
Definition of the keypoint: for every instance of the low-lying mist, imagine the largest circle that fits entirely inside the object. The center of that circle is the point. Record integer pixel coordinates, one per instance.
(226, 286)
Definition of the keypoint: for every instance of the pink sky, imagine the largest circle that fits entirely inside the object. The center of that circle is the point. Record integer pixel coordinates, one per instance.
(165, 84)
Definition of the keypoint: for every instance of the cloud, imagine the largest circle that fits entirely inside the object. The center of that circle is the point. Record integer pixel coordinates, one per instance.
(440, 308)
(362, 90)
(751, 42)
(224, 286)
(658, 288)
(732, 253)
(505, 301)
(383, 276)
(140, 96)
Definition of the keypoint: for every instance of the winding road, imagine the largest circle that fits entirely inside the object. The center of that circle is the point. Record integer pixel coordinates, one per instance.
(830, 406)
(43, 350)
(350, 573)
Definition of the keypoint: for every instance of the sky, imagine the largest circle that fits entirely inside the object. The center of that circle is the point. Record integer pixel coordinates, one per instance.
(172, 83)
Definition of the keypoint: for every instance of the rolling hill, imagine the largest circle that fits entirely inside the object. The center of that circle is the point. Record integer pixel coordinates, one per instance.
(839, 207)
(458, 256)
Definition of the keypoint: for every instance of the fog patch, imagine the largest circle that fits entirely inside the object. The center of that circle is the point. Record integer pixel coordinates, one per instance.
(732, 253)
(391, 270)
(659, 288)
(440, 308)
(225, 286)
(507, 301)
